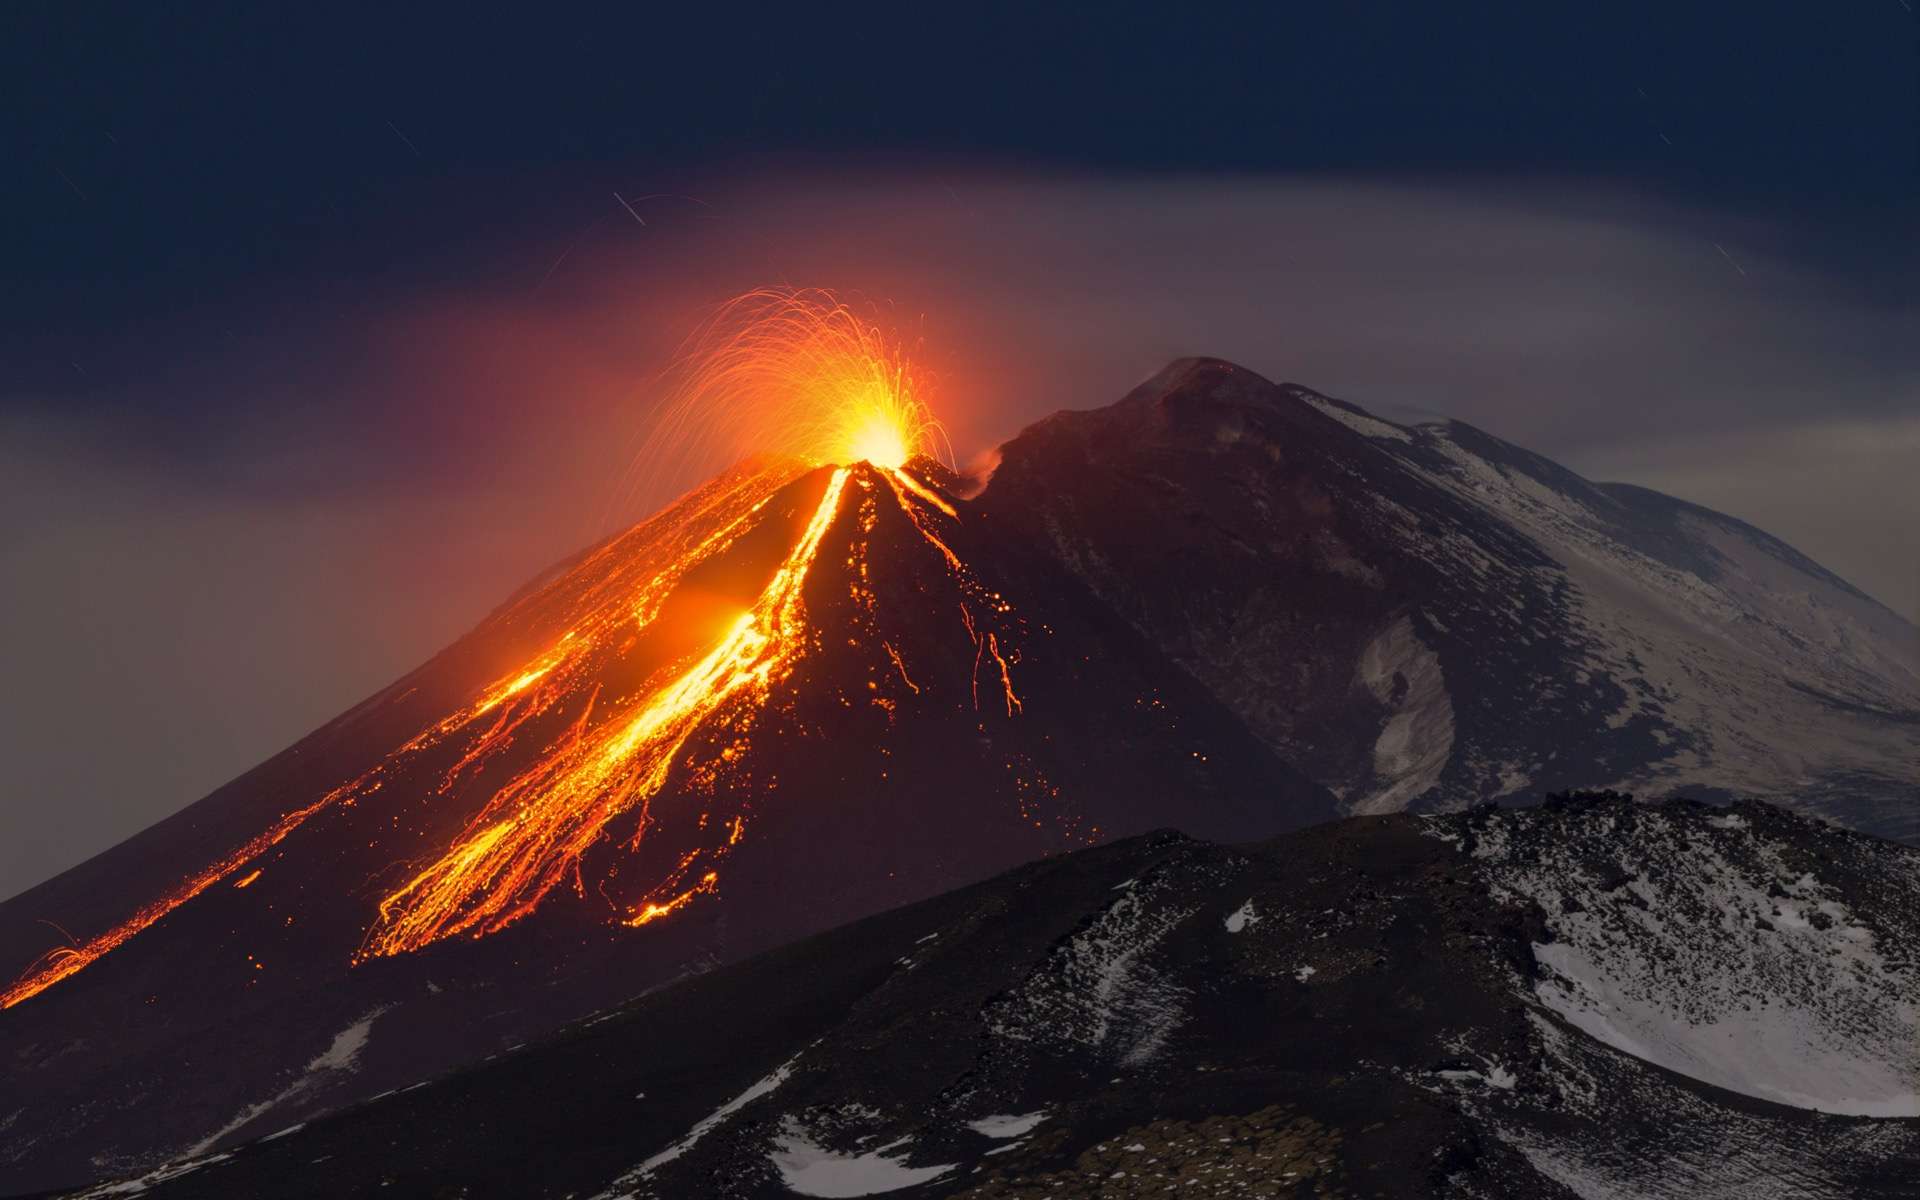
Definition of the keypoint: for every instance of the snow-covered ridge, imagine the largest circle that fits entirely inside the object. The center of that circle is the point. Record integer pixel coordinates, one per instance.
(1101, 987)
(1717, 950)
(1763, 670)
(1357, 421)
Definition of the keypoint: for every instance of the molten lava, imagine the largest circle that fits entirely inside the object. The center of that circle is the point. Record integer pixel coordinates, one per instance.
(796, 377)
(795, 373)
(532, 834)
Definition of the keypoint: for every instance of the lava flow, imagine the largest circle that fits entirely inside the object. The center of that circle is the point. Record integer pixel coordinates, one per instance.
(533, 832)
(605, 712)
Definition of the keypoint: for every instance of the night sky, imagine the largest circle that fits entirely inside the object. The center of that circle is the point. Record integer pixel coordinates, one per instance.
(324, 330)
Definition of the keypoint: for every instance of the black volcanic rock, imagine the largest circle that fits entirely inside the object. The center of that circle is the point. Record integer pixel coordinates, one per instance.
(1385, 1006)
(1220, 605)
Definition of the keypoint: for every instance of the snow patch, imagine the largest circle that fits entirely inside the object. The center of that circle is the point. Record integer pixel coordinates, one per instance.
(1008, 1126)
(621, 1188)
(1494, 1076)
(1364, 425)
(1415, 743)
(1710, 957)
(1101, 988)
(342, 1055)
(1775, 1051)
(812, 1170)
(347, 1045)
(706, 1125)
(1242, 917)
(133, 1187)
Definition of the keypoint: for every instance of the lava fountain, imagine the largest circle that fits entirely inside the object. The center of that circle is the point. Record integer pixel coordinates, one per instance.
(791, 372)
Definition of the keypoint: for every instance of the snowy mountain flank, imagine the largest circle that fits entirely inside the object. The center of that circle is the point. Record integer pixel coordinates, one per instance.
(1591, 999)
(1424, 616)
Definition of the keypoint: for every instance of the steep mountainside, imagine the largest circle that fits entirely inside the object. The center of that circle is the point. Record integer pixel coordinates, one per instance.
(1592, 999)
(801, 695)
(1427, 616)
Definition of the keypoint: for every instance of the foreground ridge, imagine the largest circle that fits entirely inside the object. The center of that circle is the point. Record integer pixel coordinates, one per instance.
(1386, 1006)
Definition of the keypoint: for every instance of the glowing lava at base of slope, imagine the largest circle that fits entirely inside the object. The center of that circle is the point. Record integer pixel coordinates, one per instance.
(64, 961)
(654, 911)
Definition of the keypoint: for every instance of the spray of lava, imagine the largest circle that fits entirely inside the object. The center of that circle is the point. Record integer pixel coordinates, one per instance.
(791, 372)
(795, 376)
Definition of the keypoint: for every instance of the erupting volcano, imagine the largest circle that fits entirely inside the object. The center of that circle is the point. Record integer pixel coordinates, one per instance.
(804, 691)
(831, 409)
(836, 678)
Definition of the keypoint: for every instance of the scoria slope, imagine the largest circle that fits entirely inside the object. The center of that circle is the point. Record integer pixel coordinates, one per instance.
(1425, 616)
(798, 696)
(1591, 999)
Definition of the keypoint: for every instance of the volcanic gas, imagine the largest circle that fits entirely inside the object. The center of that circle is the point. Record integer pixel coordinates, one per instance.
(676, 636)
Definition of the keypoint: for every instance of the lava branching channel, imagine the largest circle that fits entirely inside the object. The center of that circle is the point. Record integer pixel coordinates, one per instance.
(653, 669)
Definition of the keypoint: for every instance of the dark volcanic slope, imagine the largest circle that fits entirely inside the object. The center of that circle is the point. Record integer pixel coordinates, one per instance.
(1592, 999)
(1424, 615)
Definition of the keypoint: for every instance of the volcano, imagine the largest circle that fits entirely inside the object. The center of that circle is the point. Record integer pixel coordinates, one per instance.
(806, 693)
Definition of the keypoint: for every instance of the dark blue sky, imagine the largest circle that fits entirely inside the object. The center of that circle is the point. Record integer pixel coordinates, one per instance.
(162, 157)
(322, 328)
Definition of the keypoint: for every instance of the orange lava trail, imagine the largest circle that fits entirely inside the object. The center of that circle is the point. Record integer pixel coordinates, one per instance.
(896, 477)
(689, 533)
(65, 961)
(966, 616)
(1006, 677)
(900, 667)
(528, 838)
(653, 912)
(921, 490)
(984, 643)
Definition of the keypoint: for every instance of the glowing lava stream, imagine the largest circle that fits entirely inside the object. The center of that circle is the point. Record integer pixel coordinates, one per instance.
(64, 961)
(532, 834)
(688, 534)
